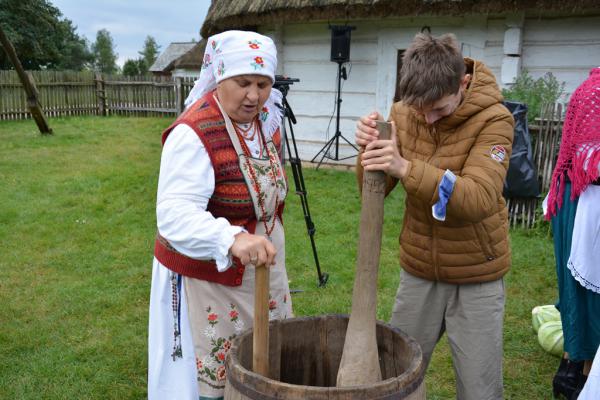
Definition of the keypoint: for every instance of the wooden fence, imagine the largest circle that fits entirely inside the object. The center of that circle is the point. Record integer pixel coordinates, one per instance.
(85, 93)
(545, 138)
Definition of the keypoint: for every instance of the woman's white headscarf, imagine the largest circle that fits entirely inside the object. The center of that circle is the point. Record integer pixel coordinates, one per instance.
(233, 53)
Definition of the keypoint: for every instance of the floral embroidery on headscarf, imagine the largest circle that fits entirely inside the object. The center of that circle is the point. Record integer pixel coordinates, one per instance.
(213, 44)
(221, 68)
(254, 44)
(234, 53)
(207, 61)
(258, 63)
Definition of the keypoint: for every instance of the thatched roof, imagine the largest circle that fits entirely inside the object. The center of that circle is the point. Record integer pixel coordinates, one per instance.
(248, 14)
(165, 60)
(193, 58)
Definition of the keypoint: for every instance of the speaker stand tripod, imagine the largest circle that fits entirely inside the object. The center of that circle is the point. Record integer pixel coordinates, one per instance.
(282, 84)
(335, 140)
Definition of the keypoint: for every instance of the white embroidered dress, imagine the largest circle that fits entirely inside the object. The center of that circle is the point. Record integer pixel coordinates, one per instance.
(585, 243)
(206, 315)
(585, 247)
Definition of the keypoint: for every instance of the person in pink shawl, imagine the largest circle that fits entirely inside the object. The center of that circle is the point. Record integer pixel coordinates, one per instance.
(573, 206)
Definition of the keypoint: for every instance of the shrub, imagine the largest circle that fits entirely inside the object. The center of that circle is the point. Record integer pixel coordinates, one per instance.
(534, 92)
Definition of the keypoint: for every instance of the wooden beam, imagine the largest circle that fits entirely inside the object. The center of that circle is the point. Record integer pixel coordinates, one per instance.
(32, 99)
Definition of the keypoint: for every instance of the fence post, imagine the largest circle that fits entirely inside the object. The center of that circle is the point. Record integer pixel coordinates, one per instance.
(179, 100)
(100, 94)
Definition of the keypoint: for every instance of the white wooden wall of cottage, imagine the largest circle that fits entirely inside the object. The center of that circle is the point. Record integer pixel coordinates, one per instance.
(185, 73)
(567, 47)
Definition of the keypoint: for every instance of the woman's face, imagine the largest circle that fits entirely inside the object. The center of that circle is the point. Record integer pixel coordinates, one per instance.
(243, 96)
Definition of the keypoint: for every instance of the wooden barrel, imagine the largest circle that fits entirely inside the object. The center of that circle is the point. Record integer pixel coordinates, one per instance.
(304, 357)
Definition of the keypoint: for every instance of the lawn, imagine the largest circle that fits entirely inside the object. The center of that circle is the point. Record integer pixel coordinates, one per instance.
(77, 228)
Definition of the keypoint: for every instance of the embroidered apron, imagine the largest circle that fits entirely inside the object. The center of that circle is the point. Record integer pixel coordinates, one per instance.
(218, 313)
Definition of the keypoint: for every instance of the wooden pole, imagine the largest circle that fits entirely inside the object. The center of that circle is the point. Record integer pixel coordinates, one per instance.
(260, 339)
(360, 357)
(179, 99)
(100, 94)
(32, 95)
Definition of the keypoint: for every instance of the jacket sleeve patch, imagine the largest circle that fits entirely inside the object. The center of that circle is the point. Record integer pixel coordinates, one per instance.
(498, 153)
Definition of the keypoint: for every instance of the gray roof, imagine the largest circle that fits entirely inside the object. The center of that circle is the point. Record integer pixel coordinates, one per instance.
(193, 58)
(165, 60)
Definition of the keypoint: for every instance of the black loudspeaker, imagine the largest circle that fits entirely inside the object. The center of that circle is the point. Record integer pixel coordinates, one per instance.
(340, 42)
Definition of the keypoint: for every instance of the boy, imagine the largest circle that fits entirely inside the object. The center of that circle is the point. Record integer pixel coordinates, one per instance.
(450, 152)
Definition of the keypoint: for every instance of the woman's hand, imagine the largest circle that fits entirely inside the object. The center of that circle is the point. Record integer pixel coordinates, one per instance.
(253, 249)
(383, 155)
(365, 129)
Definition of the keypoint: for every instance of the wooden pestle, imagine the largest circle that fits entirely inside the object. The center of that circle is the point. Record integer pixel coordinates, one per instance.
(360, 358)
(260, 338)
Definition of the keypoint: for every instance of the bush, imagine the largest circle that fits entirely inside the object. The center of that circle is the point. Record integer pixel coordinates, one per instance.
(534, 92)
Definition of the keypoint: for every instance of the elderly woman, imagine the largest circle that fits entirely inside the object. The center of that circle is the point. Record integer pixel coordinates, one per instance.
(220, 197)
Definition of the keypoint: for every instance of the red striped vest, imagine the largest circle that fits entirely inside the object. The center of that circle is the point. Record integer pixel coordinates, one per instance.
(230, 200)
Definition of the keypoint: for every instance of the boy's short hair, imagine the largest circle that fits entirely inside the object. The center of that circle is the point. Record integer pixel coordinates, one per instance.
(432, 67)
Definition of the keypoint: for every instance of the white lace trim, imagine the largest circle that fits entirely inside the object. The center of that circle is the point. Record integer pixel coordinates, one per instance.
(579, 278)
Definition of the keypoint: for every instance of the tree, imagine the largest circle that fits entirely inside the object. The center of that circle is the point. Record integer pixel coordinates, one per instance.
(142, 66)
(76, 54)
(42, 38)
(149, 53)
(130, 68)
(103, 49)
(135, 67)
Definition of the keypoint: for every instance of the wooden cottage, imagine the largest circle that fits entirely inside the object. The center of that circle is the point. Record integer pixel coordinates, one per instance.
(562, 37)
(165, 62)
(189, 64)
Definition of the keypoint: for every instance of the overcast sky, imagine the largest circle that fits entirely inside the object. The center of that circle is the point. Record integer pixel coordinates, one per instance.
(130, 21)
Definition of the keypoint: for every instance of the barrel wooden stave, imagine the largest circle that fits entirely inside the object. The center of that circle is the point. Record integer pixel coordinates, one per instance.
(307, 353)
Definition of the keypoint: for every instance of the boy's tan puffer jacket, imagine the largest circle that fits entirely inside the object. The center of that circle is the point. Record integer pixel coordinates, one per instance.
(472, 244)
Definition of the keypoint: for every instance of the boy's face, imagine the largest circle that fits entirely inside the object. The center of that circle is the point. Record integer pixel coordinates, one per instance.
(444, 106)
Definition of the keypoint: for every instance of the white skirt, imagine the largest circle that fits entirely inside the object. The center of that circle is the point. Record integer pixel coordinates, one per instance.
(591, 389)
(585, 247)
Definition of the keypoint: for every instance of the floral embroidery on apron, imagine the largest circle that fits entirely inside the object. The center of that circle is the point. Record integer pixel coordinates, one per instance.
(211, 368)
(218, 313)
(263, 175)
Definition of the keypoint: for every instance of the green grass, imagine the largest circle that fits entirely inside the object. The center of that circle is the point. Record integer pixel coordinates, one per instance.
(77, 225)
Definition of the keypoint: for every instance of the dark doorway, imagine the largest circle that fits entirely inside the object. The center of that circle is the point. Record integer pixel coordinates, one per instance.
(398, 69)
